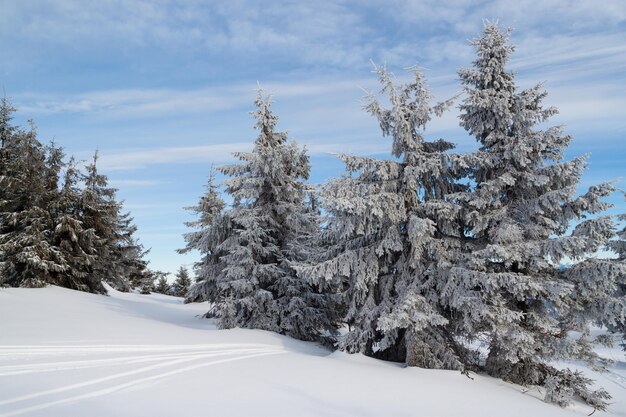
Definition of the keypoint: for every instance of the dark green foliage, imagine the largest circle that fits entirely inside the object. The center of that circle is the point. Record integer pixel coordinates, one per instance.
(52, 231)
(26, 211)
(79, 244)
(180, 287)
(211, 229)
(162, 286)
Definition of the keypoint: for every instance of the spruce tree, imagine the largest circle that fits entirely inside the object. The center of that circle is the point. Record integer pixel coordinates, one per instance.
(77, 244)
(211, 229)
(6, 127)
(162, 286)
(612, 309)
(181, 285)
(101, 212)
(29, 257)
(256, 284)
(507, 287)
(7, 131)
(130, 254)
(383, 235)
(147, 283)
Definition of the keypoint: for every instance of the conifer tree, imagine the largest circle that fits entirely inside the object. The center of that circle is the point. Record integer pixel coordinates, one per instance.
(77, 244)
(130, 255)
(613, 308)
(147, 283)
(256, 285)
(381, 237)
(101, 212)
(309, 309)
(26, 222)
(181, 285)
(211, 229)
(6, 115)
(506, 286)
(7, 131)
(59, 235)
(162, 286)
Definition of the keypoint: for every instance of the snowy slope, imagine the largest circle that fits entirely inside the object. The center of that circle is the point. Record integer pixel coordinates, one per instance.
(65, 353)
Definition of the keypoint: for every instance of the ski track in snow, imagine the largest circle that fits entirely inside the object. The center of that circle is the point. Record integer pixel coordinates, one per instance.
(616, 378)
(167, 356)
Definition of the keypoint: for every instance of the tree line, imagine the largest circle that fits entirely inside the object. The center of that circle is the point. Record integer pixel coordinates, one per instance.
(482, 261)
(60, 224)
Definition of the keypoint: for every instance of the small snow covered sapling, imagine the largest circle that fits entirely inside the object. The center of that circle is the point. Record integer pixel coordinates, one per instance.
(181, 285)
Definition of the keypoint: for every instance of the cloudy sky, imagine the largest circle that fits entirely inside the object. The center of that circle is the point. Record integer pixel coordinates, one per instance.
(163, 88)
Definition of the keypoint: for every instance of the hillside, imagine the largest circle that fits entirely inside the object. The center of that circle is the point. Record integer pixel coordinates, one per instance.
(66, 353)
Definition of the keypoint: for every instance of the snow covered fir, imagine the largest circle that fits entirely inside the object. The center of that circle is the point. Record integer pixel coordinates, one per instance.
(429, 280)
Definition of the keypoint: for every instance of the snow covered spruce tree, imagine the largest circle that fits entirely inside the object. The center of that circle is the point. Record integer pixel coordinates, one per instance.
(211, 229)
(256, 285)
(77, 244)
(7, 130)
(508, 288)
(162, 286)
(617, 323)
(611, 310)
(29, 257)
(52, 231)
(383, 235)
(181, 285)
(118, 254)
(130, 255)
(100, 213)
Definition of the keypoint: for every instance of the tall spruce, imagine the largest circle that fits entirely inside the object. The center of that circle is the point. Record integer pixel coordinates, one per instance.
(100, 213)
(514, 295)
(77, 243)
(7, 130)
(130, 255)
(29, 257)
(256, 285)
(613, 310)
(119, 259)
(380, 238)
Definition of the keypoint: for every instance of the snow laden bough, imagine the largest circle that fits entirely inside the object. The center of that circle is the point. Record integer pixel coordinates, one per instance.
(249, 248)
(60, 230)
(450, 260)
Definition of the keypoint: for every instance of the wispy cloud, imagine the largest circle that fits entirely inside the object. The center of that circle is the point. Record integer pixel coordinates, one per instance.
(133, 103)
(132, 159)
(298, 29)
(128, 159)
(135, 183)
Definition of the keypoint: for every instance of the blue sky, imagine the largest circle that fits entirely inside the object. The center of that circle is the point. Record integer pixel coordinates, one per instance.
(163, 88)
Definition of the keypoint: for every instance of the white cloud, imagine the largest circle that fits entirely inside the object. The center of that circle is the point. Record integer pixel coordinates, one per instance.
(126, 159)
(546, 15)
(133, 103)
(117, 183)
(131, 159)
(293, 28)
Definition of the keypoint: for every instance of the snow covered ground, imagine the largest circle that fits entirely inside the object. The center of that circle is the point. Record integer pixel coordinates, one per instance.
(66, 353)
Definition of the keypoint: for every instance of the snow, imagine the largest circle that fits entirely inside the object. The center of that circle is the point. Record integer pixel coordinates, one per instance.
(67, 353)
